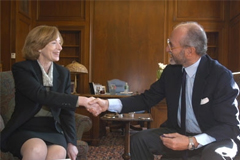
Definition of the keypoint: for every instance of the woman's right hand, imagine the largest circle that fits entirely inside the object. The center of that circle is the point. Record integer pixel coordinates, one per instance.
(94, 108)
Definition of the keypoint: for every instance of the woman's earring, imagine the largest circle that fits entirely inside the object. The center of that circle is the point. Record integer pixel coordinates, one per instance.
(40, 51)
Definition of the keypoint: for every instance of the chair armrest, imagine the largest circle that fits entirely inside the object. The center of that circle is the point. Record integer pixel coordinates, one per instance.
(1, 123)
(83, 124)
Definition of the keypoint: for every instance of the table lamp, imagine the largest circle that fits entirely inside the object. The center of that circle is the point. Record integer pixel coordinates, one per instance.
(76, 68)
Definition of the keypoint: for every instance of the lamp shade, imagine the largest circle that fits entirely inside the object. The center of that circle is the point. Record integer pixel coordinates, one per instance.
(76, 67)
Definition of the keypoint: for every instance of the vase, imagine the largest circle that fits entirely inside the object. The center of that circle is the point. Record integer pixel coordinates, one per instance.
(159, 72)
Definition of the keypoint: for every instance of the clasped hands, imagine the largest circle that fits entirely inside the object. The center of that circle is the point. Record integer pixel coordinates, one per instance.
(96, 105)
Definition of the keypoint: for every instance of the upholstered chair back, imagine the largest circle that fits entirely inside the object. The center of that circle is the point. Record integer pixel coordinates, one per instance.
(7, 95)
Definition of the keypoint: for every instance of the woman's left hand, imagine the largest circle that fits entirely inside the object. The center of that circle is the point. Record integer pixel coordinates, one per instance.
(72, 151)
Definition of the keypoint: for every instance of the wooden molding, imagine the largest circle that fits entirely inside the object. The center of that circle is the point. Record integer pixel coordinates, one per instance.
(64, 11)
(198, 10)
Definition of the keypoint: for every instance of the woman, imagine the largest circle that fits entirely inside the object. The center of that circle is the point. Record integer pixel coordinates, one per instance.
(42, 125)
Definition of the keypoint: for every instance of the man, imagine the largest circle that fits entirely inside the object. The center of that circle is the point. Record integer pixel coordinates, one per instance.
(211, 119)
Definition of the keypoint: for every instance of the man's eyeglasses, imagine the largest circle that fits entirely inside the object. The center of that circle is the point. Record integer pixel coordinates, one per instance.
(170, 47)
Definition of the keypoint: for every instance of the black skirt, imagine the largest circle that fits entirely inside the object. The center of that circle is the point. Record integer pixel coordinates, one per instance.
(37, 127)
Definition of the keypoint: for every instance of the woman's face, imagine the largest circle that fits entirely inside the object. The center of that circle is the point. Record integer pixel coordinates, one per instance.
(51, 52)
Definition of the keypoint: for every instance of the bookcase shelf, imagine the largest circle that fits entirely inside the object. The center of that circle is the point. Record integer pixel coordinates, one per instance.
(213, 38)
(72, 47)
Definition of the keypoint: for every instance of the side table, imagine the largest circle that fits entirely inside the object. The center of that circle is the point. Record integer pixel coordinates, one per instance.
(126, 119)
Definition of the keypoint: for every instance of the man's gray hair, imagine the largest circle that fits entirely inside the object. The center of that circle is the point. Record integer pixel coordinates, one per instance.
(195, 37)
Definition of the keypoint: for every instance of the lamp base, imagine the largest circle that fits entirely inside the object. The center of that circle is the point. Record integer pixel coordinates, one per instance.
(75, 84)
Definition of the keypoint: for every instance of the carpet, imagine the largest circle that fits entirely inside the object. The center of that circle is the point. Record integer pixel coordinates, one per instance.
(111, 147)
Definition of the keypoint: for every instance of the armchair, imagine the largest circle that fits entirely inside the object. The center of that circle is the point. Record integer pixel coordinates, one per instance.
(7, 102)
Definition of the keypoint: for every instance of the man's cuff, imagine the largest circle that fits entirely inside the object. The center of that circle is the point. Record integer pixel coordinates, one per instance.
(115, 105)
(204, 139)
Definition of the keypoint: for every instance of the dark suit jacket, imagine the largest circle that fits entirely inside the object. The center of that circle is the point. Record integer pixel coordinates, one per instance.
(30, 95)
(217, 118)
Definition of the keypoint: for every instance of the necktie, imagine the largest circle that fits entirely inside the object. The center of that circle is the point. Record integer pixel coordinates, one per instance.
(183, 103)
(183, 110)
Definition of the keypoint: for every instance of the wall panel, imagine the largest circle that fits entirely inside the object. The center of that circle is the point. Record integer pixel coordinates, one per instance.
(235, 9)
(128, 41)
(212, 15)
(22, 29)
(234, 36)
(72, 19)
(199, 10)
(5, 35)
(128, 38)
(234, 47)
(61, 10)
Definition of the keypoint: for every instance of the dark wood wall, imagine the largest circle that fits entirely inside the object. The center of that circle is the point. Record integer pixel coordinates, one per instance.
(120, 39)
(128, 38)
(233, 53)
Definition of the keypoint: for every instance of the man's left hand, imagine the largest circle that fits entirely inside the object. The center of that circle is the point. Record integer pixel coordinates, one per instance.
(175, 141)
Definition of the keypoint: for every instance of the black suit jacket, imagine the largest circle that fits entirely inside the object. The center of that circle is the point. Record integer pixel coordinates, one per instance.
(217, 118)
(30, 95)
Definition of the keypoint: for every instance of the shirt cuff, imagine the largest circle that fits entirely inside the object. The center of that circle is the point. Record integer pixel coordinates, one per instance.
(115, 105)
(204, 139)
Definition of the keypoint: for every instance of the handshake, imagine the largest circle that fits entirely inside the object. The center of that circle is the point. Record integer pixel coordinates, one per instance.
(93, 105)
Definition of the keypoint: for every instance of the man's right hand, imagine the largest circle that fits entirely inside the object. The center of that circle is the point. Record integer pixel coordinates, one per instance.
(102, 103)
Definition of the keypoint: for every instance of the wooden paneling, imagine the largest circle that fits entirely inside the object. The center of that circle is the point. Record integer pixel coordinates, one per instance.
(212, 15)
(73, 50)
(24, 8)
(71, 10)
(234, 9)
(5, 35)
(23, 26)
(22, 29)
(14, 30)
(234, 36)
(159, 114)
(72, 19)
(199, 10)
(234, 43)
(128, 41)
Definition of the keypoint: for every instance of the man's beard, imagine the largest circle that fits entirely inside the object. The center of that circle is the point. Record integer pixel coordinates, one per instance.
(173, 60)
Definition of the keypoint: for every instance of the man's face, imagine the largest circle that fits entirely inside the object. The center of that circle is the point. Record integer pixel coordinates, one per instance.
(176, 51)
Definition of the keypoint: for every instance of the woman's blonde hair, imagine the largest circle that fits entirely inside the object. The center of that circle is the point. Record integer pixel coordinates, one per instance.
(37, 39)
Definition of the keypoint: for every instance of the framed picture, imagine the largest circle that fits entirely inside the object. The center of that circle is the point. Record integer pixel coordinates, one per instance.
(97, 88)
(91, 86)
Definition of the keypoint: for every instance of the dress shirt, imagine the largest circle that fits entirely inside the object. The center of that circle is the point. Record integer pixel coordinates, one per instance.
(191, 121)
(115, 105)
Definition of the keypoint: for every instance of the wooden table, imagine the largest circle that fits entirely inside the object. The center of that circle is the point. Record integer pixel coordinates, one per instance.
(126, 119)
